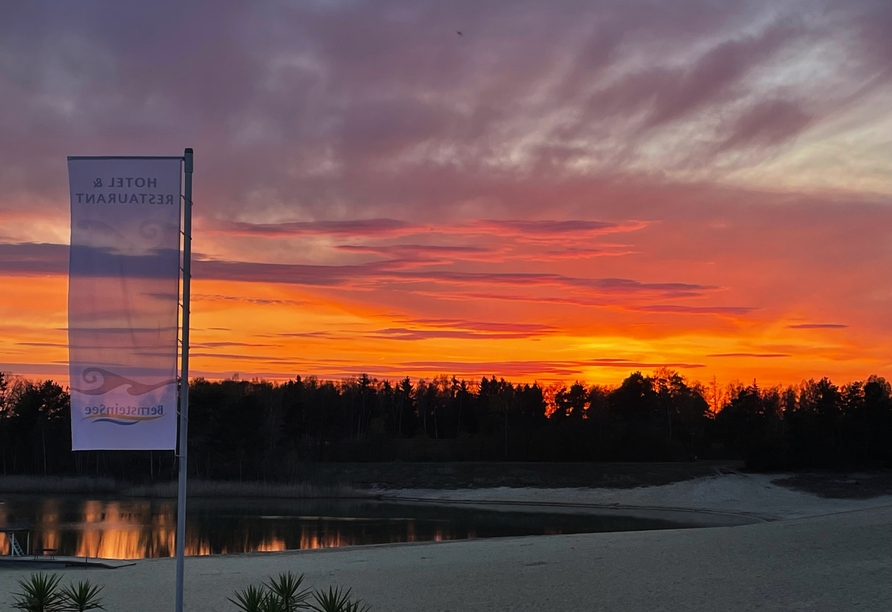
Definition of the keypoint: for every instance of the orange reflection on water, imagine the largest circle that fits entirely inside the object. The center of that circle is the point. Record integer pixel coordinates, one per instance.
(4, 544)
(271, 545)
(199, 548)
(138, 529)
(94, 511)
(310, 538)
(49, 525)
(113, 533)
(133, 542)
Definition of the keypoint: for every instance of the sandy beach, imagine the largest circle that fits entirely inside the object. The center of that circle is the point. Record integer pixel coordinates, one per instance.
(814, 554)
(735, 493)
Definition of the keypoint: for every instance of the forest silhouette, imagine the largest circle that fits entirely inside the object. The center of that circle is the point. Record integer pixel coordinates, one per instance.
(257, 430)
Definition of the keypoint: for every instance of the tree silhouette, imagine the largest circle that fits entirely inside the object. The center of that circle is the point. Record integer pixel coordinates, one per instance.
(261, 430)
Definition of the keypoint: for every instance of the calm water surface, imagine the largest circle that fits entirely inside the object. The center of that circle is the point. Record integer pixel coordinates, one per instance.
(137, 529)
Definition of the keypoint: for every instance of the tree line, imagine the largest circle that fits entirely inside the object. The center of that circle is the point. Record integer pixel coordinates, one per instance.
(257, 430)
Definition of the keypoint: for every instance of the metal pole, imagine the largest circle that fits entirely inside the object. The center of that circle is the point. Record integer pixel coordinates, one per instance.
(184, 379)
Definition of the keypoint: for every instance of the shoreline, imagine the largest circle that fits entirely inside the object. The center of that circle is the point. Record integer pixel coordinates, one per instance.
(198, 489)
(748, 495)
(758, 496)
(831, 562)
(332, 480)
(793, 550)
(724, 499)
(689, 517)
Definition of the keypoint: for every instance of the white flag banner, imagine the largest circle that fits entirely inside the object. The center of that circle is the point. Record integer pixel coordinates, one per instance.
(123, 292)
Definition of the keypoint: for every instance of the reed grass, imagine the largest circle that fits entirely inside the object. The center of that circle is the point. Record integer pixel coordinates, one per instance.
(204, 488)
(57, 484)
(44, 485)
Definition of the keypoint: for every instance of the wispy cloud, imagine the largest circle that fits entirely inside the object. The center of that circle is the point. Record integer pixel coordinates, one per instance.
(527, 369)
(426, 329)
(695, 310)
(757, 355)
(245, 299)
(426, 253)
(360, 228)
(226, 344)
(31, 258)
(817, 326)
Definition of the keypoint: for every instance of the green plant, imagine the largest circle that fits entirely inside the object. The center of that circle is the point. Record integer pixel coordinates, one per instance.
(81, 597)
(336, 600)
(286, 589)
(251, 599)
(284, 594)
(39, 593)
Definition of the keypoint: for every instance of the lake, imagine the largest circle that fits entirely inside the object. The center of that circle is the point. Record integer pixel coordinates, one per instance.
(145, 528)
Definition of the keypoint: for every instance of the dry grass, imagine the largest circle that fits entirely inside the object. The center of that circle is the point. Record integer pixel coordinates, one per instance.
(356, 480)
(57, 484)
(202, 488)
(195, 488)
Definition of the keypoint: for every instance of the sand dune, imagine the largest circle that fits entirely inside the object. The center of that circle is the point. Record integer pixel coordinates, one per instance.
(735, 493)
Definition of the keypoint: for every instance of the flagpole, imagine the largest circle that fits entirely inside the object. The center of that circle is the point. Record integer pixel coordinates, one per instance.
(184, 379)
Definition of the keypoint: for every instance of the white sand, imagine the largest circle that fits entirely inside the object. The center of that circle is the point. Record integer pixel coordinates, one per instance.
(840, 561)
(746, 494)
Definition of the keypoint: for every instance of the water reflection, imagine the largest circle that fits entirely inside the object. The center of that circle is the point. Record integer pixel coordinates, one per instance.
(136, 529)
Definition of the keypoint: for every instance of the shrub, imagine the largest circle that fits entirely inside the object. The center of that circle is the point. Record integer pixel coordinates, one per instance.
(284, 594)
(41, 593)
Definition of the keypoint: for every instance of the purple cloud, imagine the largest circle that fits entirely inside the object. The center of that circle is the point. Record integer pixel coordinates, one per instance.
(546, 228)
(681, 309)
(426, 329)
(305, 110)
(244, 299)
(420, 251)
(768, 123)
(33, 259)
(364, 228)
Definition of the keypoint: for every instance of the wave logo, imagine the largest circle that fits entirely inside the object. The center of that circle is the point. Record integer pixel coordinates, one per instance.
(109, 381)
(122, 415)
(101, 382)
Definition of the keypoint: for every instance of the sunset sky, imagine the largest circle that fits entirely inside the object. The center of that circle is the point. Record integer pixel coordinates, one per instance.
(564, 191)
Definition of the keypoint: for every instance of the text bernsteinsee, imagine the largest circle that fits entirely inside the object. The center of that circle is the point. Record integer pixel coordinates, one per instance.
(124, 410)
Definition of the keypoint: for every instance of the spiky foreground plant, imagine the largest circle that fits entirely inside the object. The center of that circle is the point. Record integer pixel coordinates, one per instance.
(251, 599)
(336, 600)
(81, 597)
(39, 593)
(284, 594)
(286, 588)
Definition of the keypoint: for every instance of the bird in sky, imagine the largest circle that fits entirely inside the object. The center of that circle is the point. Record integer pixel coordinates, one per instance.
(459, 33)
